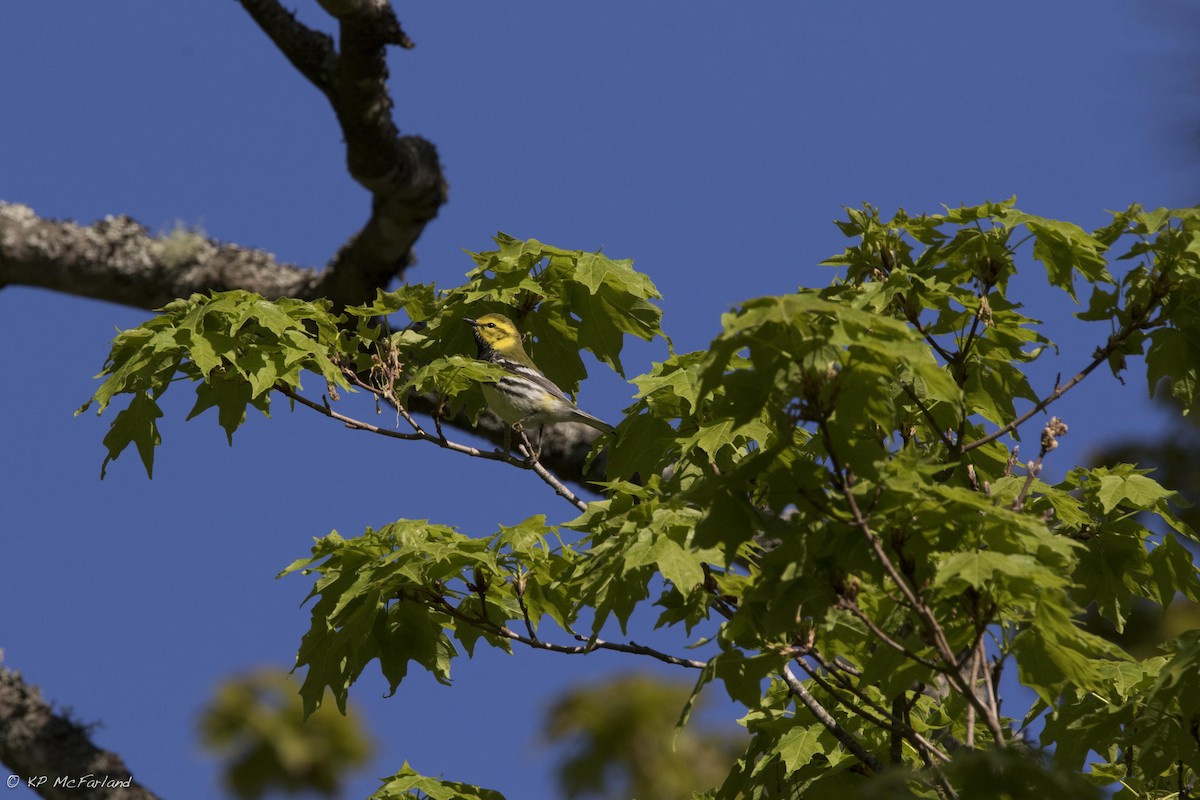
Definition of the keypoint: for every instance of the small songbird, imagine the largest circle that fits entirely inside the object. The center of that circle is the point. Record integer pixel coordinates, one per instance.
(524, 395)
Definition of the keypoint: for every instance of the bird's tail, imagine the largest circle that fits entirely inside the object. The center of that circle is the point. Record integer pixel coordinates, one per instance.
(595, 422)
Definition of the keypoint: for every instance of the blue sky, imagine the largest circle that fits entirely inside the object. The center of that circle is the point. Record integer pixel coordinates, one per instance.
(713, 146)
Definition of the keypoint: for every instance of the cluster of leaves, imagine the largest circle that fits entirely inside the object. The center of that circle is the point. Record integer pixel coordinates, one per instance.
(824, 493)
(406, 592)
(629, 725)
(237, 348)
(255, 722)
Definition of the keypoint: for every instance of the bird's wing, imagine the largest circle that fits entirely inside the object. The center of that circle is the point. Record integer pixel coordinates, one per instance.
(536, 376)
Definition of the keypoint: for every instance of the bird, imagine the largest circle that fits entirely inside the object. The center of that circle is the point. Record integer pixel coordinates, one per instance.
(524, 395)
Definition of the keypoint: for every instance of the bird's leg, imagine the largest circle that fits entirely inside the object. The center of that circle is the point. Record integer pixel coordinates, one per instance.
(537, 454)
(507, 440)
(530, 453)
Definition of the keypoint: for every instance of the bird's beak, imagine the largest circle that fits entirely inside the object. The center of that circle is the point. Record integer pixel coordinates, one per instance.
(470, 322)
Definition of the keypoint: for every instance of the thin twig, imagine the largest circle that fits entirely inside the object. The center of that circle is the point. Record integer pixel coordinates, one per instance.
(420, 434)
(519, 589)
(1037, 409)
(932, 627)
(875, 716)
(832, 725)
(956, 448)
(529, 462)
(911, 392)
(888, 719)
(591, 645)
(1115, 342)
(943, 352)
(479, 584)
(804, 696)
(327, 410)
(878, 633)
(1054, 428)
(966, 346)
(988, 683)
(973, 681)
(554, 483)
(889, 722)
(640, 649)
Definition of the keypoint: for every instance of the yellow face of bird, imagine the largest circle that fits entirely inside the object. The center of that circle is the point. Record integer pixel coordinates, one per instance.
(497, 332)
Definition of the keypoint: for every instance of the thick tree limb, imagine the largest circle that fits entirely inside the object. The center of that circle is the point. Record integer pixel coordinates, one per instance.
(310, 52)
(402, 173)
(117, 260)
(37, 743)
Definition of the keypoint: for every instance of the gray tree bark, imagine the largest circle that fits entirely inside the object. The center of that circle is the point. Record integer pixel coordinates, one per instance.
(52, 754)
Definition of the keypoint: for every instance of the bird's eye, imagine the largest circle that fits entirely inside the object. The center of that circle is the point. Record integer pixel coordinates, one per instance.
(491, 324)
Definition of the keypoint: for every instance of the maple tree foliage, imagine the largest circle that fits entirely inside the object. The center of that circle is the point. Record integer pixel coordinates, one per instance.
(827, 497)
(825, 508)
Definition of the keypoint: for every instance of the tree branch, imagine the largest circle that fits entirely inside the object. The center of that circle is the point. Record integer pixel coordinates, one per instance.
(402, 173)
(590, 644)
(880, 717)
(925, 412)
(852, 606)
(937, 635)
(832, 725)
(36, 743)
(1102, 355)
(801, 693)
(117, 260)
(887, 719)
(563, 449)
(310, 52)
(420, 434)
(1141, 320)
